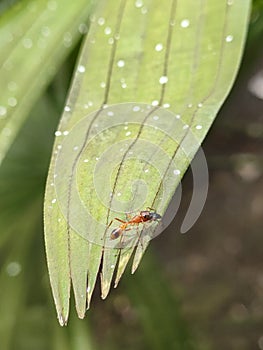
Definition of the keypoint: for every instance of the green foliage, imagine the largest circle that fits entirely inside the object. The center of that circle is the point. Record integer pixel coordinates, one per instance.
(201, 66)
(178, 60)
(35, 39)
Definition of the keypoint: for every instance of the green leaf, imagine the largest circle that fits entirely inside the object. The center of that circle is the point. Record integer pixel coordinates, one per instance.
(149, 82)
(35, 38)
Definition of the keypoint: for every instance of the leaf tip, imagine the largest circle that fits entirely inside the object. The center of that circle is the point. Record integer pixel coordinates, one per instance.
(89, 295)
(63, 320)
(116, 283)
(82, 315)
(135, 265)
(134, 268)
(105, 288)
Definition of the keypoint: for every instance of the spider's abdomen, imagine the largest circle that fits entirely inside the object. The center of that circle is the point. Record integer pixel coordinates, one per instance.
(116, 233)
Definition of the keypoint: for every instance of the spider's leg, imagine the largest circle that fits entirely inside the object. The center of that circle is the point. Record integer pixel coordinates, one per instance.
(149, 208)
(139, 236)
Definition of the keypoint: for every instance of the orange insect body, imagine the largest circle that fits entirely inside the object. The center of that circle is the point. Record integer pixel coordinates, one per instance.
(143, 216)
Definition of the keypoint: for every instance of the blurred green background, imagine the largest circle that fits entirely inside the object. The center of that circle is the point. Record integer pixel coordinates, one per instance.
(202, 290)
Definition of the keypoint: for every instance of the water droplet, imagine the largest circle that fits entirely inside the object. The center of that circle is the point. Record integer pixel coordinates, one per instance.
(146, 170)
(13, 269)
(144, 10)
(59, 146)
(155, 117)
(190, 105)
(230, 2)
(110, 41)
(185, 23)
(2, 111)
(163, 79)
(27, 43)
(81, 69)
(136, 109)
(12, 86)
(53, 201)
(130, 152)
(88, 289)
(8, 65)
(158, 47)
(97, 158)
(200, 105)
(67, 39)
(177, 172)
(128, 133)
(45, 31)
(107, 30)
(75, 148)
(110, 114)
(155, 103)
(118, 194)
(12, 101)
(102, 84)
(65, 133)
(138, 3)
(186, 126)
(83, 29)
(6, 132)
(123, 85)
(86, 160)
(177, 116)
(112, 266)
(120, 63)
(58, 133)
(67, 109)
(198, 127)
(101, 21)
(166, 105)
(90, 103)
(229, 38)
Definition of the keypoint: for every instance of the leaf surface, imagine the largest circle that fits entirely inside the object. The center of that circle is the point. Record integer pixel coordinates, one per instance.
(148, 84)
